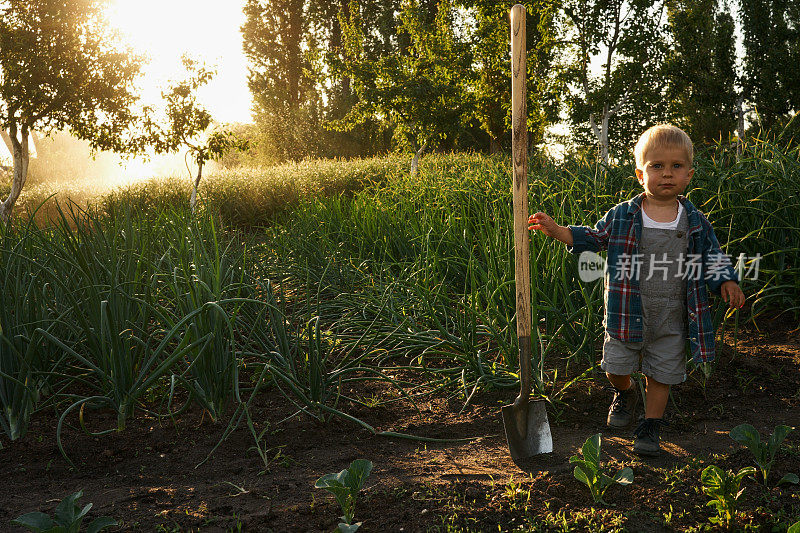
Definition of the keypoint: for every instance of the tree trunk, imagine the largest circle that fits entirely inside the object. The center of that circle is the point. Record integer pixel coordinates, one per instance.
(604, 136)
(336, 43)
(740, 125)
(495, 144)
(415, 161)
(601, 133)
(21, 157)
(196, 184)
(294, 37)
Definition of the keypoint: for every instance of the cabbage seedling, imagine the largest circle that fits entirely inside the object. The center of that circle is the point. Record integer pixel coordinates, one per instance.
(723, 487)
(587, 470)
(68, 518)
(764, 452)
(345, 487)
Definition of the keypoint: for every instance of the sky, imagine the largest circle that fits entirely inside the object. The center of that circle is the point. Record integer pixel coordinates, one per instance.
(206, 30)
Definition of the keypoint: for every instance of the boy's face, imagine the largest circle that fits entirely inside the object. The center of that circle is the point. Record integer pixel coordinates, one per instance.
(666, 172)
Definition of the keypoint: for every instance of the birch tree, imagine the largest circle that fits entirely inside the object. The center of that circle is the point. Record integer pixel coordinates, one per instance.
(62, 68)
(626, 38)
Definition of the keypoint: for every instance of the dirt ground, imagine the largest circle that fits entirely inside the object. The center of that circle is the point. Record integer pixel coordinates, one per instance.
(147, 476)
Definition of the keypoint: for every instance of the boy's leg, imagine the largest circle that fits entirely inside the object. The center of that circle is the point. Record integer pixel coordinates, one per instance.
(619, 382)
(656, 397)
(647, 438)
(619, 360)
(663, 363)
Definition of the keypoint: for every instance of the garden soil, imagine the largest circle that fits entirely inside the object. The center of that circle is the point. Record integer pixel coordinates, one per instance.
(147, 476)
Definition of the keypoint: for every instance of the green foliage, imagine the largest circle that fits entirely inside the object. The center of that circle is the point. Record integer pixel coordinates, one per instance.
(421, 91)
(794, 528)
(763, 452)
(184, 116)
(88, 73)
(68, 518)
(27, 302)
(492, 84)
(628, 38)
(186, 124)
(199, 272)
(771, 83)
(700, 67)
(282, 51)
(588, 470)
(365, 69)
(723, 487)
(345, 487)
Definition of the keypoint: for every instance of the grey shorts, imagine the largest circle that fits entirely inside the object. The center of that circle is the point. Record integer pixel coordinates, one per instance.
(662, 354)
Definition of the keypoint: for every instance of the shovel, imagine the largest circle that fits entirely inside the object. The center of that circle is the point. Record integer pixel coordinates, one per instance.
(525, 421)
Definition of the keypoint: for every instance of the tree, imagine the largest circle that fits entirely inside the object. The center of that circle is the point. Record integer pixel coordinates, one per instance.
(421, 91)
(187, 123)
(771, 82)
(491, 45)
(336, 87)
(284, 62)
(627, 36)
(701, 69)
(62, 67)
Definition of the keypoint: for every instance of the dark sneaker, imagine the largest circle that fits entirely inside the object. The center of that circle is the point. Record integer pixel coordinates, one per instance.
(620, 413)
(646, 438)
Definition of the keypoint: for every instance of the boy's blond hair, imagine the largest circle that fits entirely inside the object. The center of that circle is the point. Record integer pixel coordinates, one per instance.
(662, 135)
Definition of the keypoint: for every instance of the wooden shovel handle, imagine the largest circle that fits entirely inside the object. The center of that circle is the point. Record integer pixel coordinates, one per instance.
(520, 191)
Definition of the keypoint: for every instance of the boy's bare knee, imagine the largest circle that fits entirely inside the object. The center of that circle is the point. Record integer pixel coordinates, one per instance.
(621, 382)
(651, 381)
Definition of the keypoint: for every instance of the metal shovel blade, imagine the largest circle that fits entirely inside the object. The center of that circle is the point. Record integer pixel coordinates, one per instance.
(527, 429)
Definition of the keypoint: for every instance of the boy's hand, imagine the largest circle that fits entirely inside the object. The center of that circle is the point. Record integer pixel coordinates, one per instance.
(732, 294)
(548, 226)
(543, 223)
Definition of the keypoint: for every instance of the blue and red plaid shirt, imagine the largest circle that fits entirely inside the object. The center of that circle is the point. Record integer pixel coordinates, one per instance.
(619, 232)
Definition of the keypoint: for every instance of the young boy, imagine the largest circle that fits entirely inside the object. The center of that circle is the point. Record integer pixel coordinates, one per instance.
(662, 253)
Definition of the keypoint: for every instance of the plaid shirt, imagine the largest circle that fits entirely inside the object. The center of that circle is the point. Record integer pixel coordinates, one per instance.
(619, 232)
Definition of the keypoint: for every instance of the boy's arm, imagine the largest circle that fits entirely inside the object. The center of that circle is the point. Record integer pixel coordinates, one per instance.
(592, 239)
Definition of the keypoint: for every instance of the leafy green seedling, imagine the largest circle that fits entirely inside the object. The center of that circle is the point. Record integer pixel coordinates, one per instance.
(723, 487)
(794, 528)
(764, 452)
(587, 470)
(68, 518)
(345, 487)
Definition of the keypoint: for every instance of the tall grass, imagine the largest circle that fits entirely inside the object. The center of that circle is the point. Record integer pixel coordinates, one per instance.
(753, 201)
(345, 272)
(439, 247)
(28, 301)
(208, 279)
